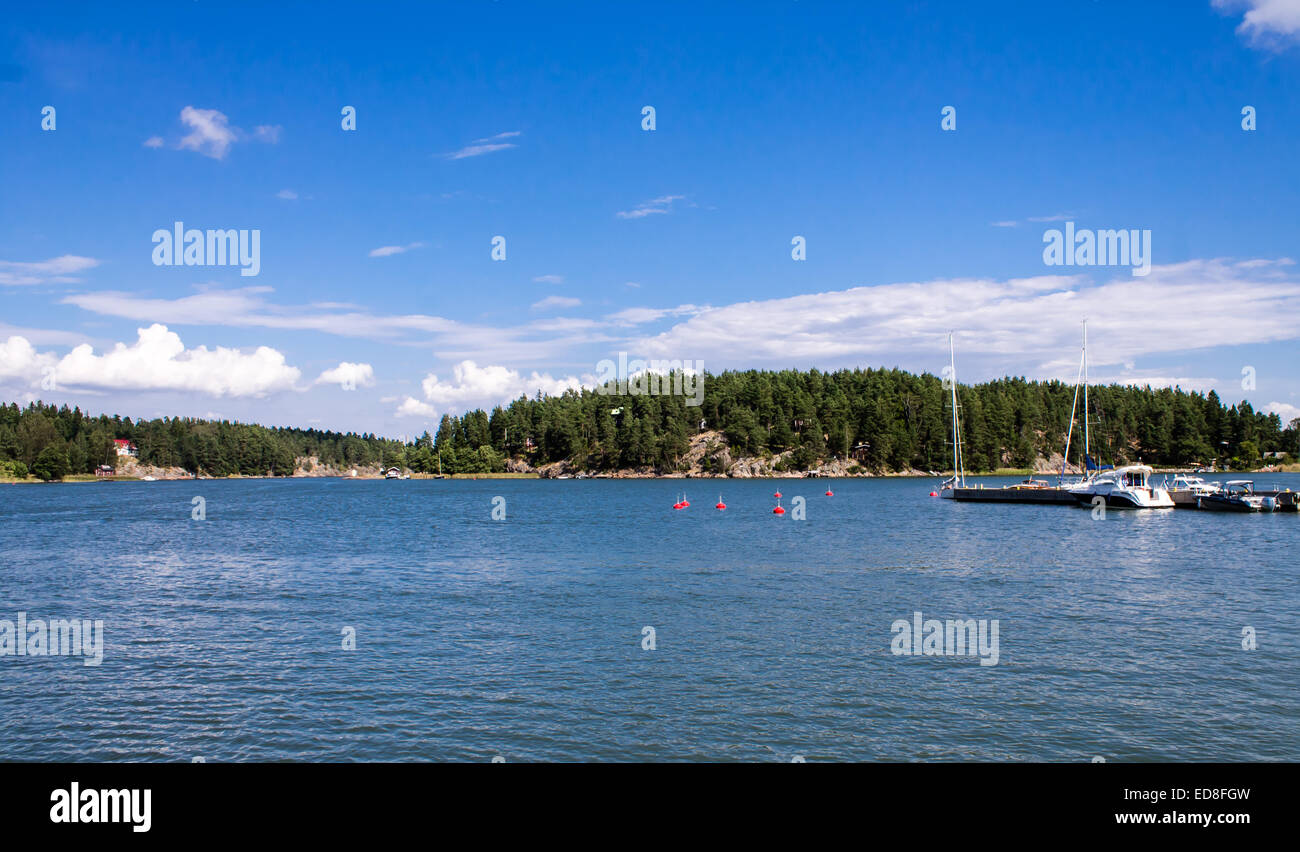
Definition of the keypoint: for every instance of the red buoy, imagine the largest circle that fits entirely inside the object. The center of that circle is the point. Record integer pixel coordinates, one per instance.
(720, 505)
(777, 495)
(830, 494)
(934, 493)
(680, 504)
(778, 510)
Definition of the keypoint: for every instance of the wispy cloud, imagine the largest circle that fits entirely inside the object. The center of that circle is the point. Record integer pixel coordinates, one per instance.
(56, 270)
(1014, 223)
(388, 251)
(154, 142)
(479, 147)
(1214, 303)
(549, 279)
(662, 204)
(556, 302)
(267, 133)
(287, 195)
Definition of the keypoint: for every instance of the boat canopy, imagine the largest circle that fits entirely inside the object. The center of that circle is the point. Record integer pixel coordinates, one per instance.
(1091, 464)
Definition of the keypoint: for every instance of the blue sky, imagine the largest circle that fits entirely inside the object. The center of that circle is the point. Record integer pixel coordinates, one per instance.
(473, 120)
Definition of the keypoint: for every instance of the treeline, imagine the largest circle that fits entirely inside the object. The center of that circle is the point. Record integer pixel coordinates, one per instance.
(884, 419)
(52, 442)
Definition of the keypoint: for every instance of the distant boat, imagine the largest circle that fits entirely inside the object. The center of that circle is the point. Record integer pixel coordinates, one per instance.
(393, 473)
(1239, 496)
(148, 479)
(1128, 487)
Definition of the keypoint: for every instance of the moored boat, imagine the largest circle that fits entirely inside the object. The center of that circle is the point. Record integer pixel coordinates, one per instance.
(1128, 487)
(1185, 490)
(1238, 496)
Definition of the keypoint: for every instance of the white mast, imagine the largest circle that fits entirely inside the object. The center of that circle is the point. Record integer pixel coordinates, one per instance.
(958, 475)
(1087, 447)
(1074, 407)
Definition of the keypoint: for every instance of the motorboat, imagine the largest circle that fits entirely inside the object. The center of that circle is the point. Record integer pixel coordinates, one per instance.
(1127, 487)
(1185, 490)
(1238, 496)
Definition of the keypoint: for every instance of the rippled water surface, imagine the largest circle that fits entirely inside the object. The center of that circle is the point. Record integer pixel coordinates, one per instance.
(1119, 638)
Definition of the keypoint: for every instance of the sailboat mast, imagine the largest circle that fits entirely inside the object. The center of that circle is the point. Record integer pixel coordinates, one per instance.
(957, 472)
(1087, 447)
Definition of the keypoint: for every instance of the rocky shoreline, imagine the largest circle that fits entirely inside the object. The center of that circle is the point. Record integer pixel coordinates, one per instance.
(709, 457)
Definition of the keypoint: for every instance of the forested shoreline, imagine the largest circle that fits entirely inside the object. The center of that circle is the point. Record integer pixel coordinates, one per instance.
(883, 419)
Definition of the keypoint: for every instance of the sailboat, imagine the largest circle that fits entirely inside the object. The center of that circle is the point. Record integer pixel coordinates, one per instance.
(1029, 491)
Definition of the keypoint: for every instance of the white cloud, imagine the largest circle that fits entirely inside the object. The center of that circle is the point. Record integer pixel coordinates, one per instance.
(1027, 325)
(348, 375)
(211, 133)
(473, 386)
(55, 270)
(153, 142)
(1270, 24)
(287, 195)
(388, 251)
(479, 147)
(1285, 410)
(1008, 223)
(412, 407)
(662, 204)
(639, 316)
(556, 302)
(549, 279)
(157, 360)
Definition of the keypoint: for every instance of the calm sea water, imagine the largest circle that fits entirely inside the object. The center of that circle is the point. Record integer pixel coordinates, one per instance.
(1118, 638)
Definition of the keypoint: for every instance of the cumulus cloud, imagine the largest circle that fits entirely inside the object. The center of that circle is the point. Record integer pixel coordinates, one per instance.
(388, 251)
(412, 407)
(1269, 24)
(210, 132)
(662, 204)
(472, 386)
(348, 376)
(479, 147)
(157, 360)
(57, 270)
(1284, 410)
